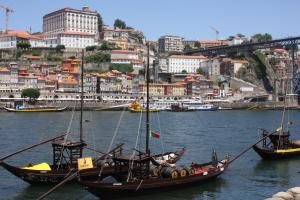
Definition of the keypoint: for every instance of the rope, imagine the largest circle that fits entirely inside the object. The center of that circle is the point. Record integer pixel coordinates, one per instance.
(112, 141)
(139, 185)
(66, 137)
(159, 128)
(135, 147)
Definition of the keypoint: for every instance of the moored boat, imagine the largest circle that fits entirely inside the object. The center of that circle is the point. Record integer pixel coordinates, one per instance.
(36, 109)
(278, 146)
(166, 178)
(146, 175)
(137, 107)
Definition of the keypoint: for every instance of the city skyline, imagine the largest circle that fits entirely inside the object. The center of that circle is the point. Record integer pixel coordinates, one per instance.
(190, 19)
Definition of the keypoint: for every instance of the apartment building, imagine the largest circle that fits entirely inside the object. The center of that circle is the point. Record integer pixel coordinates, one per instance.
(71, 27)
(170, 43)
(180, 63)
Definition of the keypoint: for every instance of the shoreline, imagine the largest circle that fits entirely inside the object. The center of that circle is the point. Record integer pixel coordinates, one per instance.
(102, 106)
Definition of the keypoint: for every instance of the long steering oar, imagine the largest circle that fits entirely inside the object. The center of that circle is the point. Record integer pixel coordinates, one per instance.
(30, 147)
(250, 147)
(76, 172)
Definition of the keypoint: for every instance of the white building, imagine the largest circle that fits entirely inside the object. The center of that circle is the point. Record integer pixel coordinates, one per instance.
(178, 63)
(170, 43)
(237, 40)
(124, 54)
(71, 27)
(10, 40)
(127, 57)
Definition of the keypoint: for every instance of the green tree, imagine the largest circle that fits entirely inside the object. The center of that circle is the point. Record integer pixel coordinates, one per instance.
(23, 45)
(197, 44)
(90, 48)
(98, 58)
(59, 48)
(100, 22)
(121, 67)
(187, 47)
(200, 71)
(262, 37)
(36, 53)
(119, 24)
(32, 93)
(184, 71)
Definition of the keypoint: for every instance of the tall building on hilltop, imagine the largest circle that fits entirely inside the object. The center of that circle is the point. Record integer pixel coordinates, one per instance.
(71, 27)
(170, 43)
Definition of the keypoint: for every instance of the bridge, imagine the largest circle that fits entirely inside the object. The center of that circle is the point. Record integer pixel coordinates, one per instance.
(291, 42)
(249, 46)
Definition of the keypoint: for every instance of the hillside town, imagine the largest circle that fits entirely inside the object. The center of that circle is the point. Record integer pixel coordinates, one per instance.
(115, 60)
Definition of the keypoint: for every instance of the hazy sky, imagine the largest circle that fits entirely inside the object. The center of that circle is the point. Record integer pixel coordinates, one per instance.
(191, 19)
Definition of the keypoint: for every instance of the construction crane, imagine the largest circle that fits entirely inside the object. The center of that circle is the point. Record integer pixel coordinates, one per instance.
(217, 32)
(7, 11)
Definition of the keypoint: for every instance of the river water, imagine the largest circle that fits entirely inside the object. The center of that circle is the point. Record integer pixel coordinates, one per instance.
(228, 132)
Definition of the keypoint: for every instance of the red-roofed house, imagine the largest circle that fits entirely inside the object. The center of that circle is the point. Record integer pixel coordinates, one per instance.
(9, 40)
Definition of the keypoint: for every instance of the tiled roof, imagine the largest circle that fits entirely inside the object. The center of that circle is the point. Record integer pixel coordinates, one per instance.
(32, 57)
(21, 34)
(4, 70)
(188, 57)
(165, 84)
(240, 61)
(210, 42)
(124, 51)
(135, 61)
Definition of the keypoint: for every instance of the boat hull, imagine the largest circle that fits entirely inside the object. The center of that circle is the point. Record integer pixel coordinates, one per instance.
(274, 154)
(36, 109)
(38, 177)
(54, 176)
(147, 186)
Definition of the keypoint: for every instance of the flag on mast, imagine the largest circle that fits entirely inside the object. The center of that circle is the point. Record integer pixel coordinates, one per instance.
(155, 134)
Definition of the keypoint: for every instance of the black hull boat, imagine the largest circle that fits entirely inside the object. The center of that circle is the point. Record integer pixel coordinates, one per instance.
(51, 174)
(37, 109)
(147, 175)
(277, 146)
(277, 154)
(48, 177)
(198, 173)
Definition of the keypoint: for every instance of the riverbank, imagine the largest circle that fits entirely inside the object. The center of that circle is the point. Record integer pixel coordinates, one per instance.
(104, 106)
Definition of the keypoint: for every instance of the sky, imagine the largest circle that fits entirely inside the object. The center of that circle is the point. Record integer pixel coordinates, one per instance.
(191, 19)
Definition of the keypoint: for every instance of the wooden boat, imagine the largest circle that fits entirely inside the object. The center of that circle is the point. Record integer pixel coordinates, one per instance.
(136, 107)
(46, 174)
(146, 175)
(278, 146)
(197, 174)
(65, 159)
(36, 109)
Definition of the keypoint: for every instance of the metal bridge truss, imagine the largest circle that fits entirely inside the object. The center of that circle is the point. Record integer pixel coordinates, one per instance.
(291, 42)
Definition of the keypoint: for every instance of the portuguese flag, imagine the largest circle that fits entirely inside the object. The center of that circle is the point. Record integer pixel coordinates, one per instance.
(155, 134)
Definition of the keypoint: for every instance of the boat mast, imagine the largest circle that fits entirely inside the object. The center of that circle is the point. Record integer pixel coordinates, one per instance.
(147, 116)
(81, 97)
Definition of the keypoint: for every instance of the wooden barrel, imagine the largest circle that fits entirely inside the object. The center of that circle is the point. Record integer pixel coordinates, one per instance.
(169, 172)
(183, 172)
(192, 171)
(154, 170)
